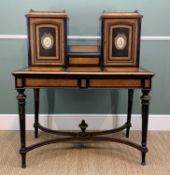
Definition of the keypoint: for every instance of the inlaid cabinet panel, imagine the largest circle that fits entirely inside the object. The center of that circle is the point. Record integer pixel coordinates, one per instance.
(121, 39)
(47, 38)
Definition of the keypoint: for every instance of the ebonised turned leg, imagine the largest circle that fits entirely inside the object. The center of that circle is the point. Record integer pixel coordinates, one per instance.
(129, 112)
(21, 107)
(145, 98)
(36, 110)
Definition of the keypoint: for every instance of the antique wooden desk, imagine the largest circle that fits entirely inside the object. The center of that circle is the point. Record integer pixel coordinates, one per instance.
(84, 69)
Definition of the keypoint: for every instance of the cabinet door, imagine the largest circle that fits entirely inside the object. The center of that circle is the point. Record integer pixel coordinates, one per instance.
(47, 40)
(120, 40)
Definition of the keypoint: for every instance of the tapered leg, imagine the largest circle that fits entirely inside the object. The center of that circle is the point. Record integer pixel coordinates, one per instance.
(36, 108)
(129, 112)
(145, 99)
(21, 107)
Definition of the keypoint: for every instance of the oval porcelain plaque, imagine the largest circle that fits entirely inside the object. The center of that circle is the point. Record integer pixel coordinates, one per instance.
(120, 41)
(47, 41)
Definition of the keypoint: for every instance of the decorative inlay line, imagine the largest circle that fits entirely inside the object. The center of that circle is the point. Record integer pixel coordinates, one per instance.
(92, 38)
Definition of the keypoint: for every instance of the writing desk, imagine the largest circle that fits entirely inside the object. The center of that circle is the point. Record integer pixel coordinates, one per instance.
(130, 78)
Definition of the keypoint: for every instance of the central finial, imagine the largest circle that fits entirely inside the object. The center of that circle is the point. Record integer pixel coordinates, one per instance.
(83, 125)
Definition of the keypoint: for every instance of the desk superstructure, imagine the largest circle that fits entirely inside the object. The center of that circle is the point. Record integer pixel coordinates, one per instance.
(112, 64)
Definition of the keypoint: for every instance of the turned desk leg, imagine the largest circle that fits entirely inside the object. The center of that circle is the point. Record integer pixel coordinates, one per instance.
(129, 112)
(21, 107)
(36, 110)
(145, 98)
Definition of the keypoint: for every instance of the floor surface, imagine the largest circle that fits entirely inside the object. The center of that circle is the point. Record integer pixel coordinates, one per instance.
(101, 158)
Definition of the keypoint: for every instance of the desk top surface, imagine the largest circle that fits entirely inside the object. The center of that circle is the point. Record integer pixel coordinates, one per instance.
(83, 71)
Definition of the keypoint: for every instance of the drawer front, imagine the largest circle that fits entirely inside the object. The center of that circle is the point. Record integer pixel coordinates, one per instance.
(115, 83)
(82, 83)
(82, 61)
(51, 83)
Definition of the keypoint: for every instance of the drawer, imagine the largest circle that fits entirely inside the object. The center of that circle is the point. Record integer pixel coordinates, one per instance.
(51, 82)
(94, 61)
(115, 83)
